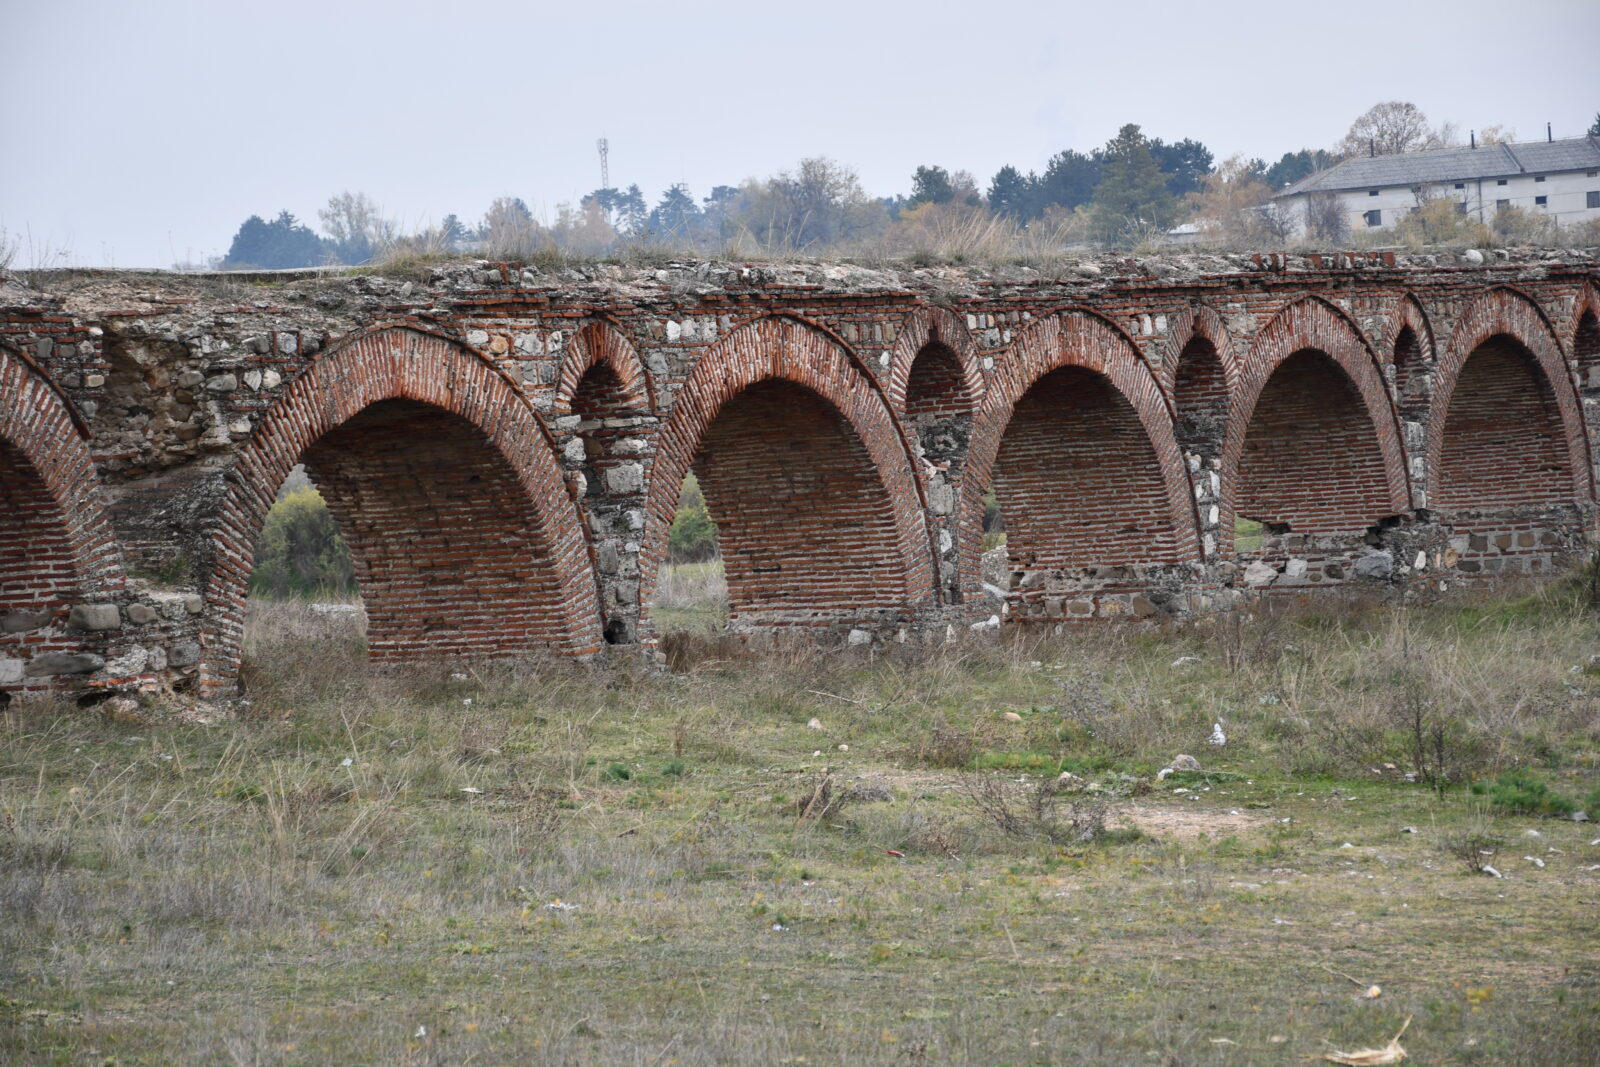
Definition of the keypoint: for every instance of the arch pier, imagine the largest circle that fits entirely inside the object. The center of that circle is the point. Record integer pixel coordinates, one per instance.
(503, 450)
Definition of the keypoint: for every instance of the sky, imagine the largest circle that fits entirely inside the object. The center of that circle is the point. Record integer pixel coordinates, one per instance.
(137, 133)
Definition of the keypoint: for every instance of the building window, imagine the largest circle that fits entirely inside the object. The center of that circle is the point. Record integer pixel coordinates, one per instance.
(1502, 181)
(1541, 200)
(1592, 198)
(1501, 205)
(1461, 185)
(1539, 178)
(1374, 218)
(1461, 207)
(1372, 192)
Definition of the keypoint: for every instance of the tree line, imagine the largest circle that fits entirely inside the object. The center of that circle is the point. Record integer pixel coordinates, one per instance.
(1131, 190)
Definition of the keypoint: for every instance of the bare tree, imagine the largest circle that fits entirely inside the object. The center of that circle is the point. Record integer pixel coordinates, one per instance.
(1392, 127)
(1325, 218)
(355, 226)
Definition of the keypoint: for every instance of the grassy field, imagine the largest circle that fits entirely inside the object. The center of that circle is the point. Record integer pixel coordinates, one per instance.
(827, 858)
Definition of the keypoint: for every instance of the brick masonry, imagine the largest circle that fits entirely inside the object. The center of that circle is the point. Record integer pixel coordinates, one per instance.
(503, 449)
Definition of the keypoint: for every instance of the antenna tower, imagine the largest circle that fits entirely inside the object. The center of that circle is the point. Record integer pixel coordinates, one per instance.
(605, 170)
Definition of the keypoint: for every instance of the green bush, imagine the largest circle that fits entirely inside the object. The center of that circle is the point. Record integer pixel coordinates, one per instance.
(1516, 793)
(300, 552)
(693, 537)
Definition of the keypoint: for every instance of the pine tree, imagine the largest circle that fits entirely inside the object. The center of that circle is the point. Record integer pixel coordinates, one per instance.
(1132, 196)
(676, 216)
(1012, 194)
(1069, 179)
(931, 185)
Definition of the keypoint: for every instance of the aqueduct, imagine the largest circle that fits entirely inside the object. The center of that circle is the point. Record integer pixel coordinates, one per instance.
(503, 449)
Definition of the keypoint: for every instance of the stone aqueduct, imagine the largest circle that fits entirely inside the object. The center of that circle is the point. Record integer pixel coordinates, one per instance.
(503, 449)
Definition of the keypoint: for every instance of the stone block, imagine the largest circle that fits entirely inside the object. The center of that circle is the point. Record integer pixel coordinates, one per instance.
(63, 663)
(184, 653)
(20, 622)
(1259, 574)
(95, 617)
(10, 671)
(1376, 566)
(141, 614)
(625, 478)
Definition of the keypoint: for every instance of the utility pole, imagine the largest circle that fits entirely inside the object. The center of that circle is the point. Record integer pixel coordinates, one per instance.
(605, 170)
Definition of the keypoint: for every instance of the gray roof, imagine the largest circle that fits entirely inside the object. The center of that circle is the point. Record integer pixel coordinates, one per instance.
(1454, 165)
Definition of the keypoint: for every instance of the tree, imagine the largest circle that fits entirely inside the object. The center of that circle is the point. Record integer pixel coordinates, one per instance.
(509, 230)
(1231, 204)
(1132, 195)
(300, 552)
(1326, 220)
(1392, 127)
(280, 244)
(584, 230)
(452, 232)
(1294, 166)
(818, 204)
(931, 185)
(1011, 194)
(1187, 161)
(1439, 218)
(356, 229)
(717, 214)
(1594, 127)
(1496, 134)
(675, 218)
(1069, 179)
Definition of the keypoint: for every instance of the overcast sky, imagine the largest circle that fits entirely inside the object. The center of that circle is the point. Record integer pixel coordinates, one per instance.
(142, 132)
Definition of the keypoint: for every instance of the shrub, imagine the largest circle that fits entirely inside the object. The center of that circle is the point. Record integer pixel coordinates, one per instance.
(693, 537)
(300, 552)
(1516, 793)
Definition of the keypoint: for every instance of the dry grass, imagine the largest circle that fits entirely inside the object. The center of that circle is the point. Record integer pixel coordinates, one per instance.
(556, 863)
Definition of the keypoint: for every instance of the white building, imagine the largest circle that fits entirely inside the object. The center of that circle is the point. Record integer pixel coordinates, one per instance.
(1557, 178)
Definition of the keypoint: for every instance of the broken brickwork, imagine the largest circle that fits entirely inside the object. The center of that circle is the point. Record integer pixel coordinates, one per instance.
(503, 448)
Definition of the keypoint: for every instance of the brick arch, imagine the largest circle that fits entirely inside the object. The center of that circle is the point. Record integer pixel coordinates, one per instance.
(447, 455)
(1410, 312)
(771, 362)
(1312, 324)
(1411, 355)
(1585, 333)
(1201, 321)
(1504, 311)
(600, 342)
(1110, 372)
(934, 325)
(56, 543)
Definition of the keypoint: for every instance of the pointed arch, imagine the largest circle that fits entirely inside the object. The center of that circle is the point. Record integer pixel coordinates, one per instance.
(758, 408)
(601, 343)
(56, 542)
(940, 327)
(441, 439)
(1505, 311)
(1200, 321)
(1341, 359)
(1083, 359)
(1412, 353)
(1586, 340)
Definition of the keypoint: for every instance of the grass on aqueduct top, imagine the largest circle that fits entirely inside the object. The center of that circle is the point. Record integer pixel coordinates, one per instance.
(568, 864)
